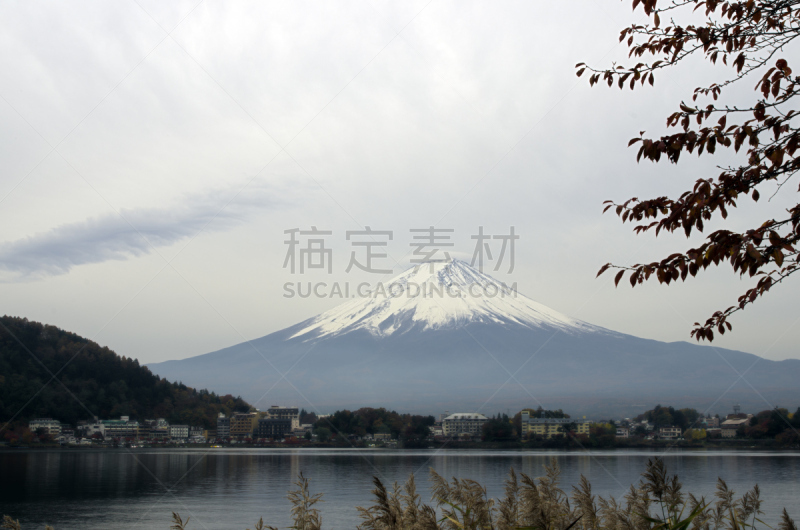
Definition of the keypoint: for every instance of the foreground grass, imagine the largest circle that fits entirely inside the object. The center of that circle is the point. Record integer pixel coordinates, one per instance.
(657, 502)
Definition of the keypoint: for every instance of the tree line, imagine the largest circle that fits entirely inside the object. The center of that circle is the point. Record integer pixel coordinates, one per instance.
(49, 372)
(411, 429)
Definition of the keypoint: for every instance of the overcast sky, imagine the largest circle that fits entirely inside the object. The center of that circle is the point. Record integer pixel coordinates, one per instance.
(154, 153)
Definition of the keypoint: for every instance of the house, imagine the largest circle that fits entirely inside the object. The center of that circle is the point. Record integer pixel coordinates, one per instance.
(729, 427)
(669, 433)
(384, 434)
(470, 423)
(623, 433)
(67, 440)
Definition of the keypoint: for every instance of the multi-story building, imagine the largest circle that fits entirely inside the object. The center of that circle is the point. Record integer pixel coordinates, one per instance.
(223, 427)
(623, 433)
(178, 432)
(730, 427)
(243, 424)
(121, 428)
(284, 413)
(50, 426)
(159, 434)
(196, 433)
(670, 433)
(461, 423)
(90, 428)
(275, 428)
(549, 427)
(154, 429)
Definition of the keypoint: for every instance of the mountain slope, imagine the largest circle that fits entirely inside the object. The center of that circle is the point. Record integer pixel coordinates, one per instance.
(474, 345)
(91, 381)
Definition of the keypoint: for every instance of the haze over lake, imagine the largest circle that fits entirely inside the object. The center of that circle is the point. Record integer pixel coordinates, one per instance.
(224, 489)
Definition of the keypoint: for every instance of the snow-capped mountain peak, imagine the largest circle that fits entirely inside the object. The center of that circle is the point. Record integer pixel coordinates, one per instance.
(436, 295)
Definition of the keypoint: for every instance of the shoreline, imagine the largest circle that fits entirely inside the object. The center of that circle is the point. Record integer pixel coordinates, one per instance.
(732, 446)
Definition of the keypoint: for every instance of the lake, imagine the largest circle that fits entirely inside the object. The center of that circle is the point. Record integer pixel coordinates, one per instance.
(232, 488)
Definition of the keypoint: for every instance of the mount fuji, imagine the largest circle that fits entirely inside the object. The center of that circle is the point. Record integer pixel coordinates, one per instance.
(445, 336)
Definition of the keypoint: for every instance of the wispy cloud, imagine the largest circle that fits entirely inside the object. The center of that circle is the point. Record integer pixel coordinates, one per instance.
(129, 233)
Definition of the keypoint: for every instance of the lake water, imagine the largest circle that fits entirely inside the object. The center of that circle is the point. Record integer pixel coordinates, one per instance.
(224, 488)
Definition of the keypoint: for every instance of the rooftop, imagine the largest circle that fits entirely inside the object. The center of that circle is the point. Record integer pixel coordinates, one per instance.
(466, 416)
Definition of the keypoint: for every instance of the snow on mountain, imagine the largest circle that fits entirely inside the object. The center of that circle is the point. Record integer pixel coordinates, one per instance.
(437, 295)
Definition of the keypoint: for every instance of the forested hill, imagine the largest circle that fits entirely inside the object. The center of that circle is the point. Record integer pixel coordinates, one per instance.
(90, 381)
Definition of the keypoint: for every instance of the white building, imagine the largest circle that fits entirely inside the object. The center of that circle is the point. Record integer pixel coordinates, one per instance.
(462, 423)
(197, 433)
(90, 429)
(50, 426)
(179, 432)
(669, 433)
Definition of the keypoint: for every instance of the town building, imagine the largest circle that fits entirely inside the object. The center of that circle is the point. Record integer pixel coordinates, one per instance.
(158, 434)
(121, 428)
(223, 427)
(275, 428)
(157, 429)
(669, 433)
(284, 413)
(88, 429)
(197, 433)
(178, 432)
(49, 425)
(549, 427)
(460, 424)
(729, 427)
(243, 424)
(623, 433)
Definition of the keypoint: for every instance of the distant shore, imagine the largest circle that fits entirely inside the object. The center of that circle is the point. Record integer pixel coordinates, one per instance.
(729, 444)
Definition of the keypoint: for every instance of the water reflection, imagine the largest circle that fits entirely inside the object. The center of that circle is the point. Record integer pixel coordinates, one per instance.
(233, 488)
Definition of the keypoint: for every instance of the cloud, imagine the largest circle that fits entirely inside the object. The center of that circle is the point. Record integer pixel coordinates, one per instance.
(129, 233)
